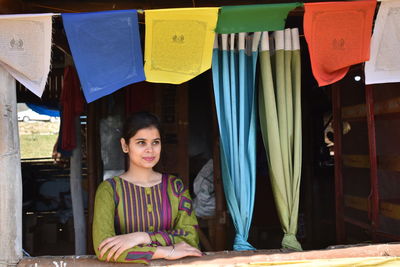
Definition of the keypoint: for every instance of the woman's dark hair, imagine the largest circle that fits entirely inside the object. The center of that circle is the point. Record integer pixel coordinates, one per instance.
(138, 121)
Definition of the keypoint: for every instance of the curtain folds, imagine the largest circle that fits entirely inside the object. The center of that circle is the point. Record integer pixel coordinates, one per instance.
(234, 67)
(280, 122)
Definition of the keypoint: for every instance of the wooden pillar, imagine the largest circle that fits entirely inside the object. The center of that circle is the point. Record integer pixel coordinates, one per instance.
(374, 195)
(220, 206)
(219, 240)
(183, 133)
(10, 175)
(337, 131)
(77, 193)
(92, 142)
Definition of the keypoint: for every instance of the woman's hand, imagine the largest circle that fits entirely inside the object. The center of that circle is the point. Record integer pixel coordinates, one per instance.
(117, 244)
(183, 249)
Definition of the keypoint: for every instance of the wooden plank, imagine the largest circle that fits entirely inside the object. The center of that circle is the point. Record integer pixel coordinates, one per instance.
(369, 99)
(238, 258)
(219, 240)
(337, 131)
(74, 6)
(357, 223)
(11, 6)
(354, 112)
(389, 163)
(354, 202)
(385, 162)
(356, 161)
(388, 107)
(171, 105)
(383, 108)
(183, 131)
(388, 208)
(387, 236)
(93, 160)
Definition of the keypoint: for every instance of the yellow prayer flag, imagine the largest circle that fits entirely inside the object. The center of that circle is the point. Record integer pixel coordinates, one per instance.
(179, 43)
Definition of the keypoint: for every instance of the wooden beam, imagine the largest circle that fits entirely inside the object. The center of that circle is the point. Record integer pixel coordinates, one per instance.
(354, 112)
(389, 208)
(389, 163)
(385, 162)
(358, 223)
(93, 146)
(374, 195)
(182, 108)
(337, 131)
(11, 6)
(354, 202)
(387, 107)
(385, 252)
(75, 6)
(356, 161)
(220, 204)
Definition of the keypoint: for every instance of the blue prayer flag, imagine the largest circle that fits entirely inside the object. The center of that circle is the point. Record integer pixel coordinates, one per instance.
(106, 50)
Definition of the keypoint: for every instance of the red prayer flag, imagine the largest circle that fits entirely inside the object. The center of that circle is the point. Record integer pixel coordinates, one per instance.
(73, 105)
(338, 35)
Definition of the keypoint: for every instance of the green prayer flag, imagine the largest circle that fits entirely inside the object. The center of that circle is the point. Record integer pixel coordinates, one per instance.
(254, 18)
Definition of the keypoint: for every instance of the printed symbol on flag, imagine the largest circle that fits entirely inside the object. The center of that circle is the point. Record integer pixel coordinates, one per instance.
(338, 44)
(17, 45)
(177, 46)
(178, 39)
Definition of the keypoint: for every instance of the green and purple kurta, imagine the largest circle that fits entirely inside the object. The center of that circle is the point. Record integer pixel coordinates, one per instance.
(164, 211)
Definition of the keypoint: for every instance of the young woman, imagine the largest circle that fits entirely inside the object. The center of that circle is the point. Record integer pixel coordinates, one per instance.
(143, 214)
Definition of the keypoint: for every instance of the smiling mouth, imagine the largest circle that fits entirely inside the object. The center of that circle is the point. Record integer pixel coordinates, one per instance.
(149, 159)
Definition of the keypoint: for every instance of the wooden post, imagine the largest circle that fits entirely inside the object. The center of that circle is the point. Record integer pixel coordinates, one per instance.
(92, 140)
(373, 161)
(10, 175)
(337, 131)
(219, 240)
(77, 193)
(182, 117)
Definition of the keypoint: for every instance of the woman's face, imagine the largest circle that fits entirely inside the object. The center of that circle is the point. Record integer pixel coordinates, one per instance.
(144, 147)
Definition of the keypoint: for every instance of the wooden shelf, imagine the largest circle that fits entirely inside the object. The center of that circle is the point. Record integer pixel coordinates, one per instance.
(385, 162)
(357, 223)
(356, 161)
(390, 107)
(388, 235)
(389, 207)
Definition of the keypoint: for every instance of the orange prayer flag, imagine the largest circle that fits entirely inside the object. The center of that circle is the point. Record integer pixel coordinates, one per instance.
(338, 35)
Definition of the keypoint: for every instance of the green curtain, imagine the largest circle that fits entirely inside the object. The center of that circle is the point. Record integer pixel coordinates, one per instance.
(280, 122)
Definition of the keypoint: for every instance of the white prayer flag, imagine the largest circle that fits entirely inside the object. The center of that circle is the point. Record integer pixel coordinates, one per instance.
(25, 48)
(384, 63)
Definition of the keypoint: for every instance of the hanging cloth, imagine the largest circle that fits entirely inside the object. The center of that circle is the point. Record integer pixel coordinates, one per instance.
(234, 71)
(384, 65)
(338, 35)
(25, 48)
(254, 18)
(106, 50)
(179, 43)
(72, 104)
(280, 123)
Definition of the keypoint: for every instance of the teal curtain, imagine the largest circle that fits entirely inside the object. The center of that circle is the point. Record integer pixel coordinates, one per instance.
(233, 67)
(280, 122)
